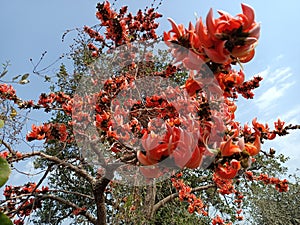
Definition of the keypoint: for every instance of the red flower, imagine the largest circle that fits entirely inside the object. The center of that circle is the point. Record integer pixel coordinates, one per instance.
(157, 147)
(192, 85)
(253, 148)
(259, 127)
(4, 154)
(228, 149)
(228, 171)
(223, 40)
(217, 220)
(279, 125)
(38, 132)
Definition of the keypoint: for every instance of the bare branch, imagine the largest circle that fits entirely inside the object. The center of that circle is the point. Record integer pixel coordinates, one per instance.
(8, 147)
(79, 171)
(86, 214)
(73, 193)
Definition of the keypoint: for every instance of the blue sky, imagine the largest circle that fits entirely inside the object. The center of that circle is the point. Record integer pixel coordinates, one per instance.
(28, 28)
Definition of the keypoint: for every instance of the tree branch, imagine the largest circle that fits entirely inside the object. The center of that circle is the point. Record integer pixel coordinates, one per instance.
(8, 147)
(73, 193)
(86, 214)
(79, 171)
(39, 197)
(175, 195)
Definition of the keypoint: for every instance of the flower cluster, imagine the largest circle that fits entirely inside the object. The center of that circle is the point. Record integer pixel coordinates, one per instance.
(47, 100)
(48, 131)
(122, 28)
(195, 204)
(219, 221)
(20, 198)
(280, 185)
(224, 40)
(7, 92)
(225, 186)
(8, 155)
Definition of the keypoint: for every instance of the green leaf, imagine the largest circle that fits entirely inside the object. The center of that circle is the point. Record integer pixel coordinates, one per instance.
(1, 123)
(4, 171)
(4, 220)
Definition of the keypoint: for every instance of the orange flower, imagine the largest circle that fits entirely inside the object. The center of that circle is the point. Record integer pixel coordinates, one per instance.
(222, 40)
(228, 171)
(253, 148)
(279, 125)
(228, 148)
(196, 158)
(231, 79)
(38, 132)
(192, 85)
(157, 147)
(258, 127)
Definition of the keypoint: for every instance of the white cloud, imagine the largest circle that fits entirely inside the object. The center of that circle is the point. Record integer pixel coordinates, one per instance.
(271, 95)
(274, 88)
(288, 146)
(280, 74)
(292, 115)
(278, 58)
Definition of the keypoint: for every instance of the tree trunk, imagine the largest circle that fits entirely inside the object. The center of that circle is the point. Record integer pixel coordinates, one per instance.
(98, 190)
(149, 202)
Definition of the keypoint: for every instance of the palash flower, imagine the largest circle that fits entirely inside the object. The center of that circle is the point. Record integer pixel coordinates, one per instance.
(279, 125)
(178, 144)
(178, 39)
(187, 153)
(223, 40)
(228, 170)
(231, 36)
(253, 148)
(258, 127)
(157, 147)
(192, 85)
(231, 79)
(196, 158)
(228, 148)
(38, 132)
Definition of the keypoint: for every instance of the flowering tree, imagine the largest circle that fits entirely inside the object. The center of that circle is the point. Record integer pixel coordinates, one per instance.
(156, 114)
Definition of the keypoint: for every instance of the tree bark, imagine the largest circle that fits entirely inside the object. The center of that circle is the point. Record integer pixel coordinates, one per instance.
(99, 196)
(150, 201)
(99, 192)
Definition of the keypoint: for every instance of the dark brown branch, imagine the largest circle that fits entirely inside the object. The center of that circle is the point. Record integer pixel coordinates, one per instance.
(79, 171)
(38, 184)
(175, 195)
(99, 189)
(72, 193)
(8, 147)
(86, 214)
(39, 197)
